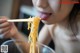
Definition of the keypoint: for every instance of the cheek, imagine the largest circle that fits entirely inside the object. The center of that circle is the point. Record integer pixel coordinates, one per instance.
(55, 5)
(65, 10)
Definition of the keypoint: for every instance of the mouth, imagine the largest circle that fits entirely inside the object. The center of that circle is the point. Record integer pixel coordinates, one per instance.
(44, 15)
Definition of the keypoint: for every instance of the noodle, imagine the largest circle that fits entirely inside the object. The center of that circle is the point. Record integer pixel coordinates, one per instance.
(29, 24)
(33, 34)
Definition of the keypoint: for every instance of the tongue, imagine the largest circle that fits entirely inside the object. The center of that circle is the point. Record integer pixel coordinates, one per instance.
(44, 16)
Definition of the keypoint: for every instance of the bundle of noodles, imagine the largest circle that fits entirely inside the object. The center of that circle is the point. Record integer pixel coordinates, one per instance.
(33, 34)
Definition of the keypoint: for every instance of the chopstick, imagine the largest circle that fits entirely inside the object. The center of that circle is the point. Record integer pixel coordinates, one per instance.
(20, 20)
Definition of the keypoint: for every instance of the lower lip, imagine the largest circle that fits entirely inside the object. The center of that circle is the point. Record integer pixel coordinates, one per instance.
(44, 16)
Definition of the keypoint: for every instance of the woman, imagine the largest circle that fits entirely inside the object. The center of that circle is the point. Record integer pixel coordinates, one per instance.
(61, 25)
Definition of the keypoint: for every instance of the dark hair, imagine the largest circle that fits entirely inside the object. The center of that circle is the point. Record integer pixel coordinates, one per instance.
(72, 19)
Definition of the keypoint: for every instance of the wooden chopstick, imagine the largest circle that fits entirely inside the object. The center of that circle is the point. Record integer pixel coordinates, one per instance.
(20, 20)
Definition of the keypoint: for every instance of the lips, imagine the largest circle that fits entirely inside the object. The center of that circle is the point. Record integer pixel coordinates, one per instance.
(44, 15)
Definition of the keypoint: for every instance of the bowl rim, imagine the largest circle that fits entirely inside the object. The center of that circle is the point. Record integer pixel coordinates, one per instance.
(38, 43)
(46, 46)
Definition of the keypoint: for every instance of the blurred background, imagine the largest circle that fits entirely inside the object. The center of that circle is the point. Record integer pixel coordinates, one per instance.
(18, 9)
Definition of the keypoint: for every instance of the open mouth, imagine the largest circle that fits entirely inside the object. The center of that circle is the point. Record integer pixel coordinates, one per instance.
(44, 15)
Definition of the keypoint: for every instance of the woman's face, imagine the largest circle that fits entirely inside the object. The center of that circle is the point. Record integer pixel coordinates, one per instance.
(53, 11)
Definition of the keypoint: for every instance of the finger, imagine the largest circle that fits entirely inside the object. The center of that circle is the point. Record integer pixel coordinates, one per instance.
(3, 19)
(6, 24)
(7, 34)
(3, 30)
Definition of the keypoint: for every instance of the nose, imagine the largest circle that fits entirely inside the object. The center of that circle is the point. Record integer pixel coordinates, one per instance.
(41, 3)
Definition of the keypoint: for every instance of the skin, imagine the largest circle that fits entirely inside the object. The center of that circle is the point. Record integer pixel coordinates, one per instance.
(61, 35)
(55, 27)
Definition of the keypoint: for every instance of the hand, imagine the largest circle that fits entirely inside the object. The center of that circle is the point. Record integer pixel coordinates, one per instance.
(7, 29)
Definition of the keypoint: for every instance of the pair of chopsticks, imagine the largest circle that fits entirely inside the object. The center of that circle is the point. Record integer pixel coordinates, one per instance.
(20, 20)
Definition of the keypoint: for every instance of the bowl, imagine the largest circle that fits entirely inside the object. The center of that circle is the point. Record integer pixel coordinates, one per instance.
(12, 48)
